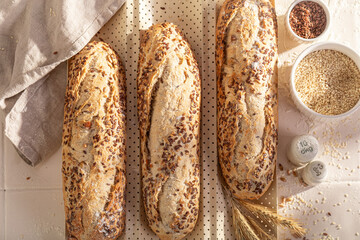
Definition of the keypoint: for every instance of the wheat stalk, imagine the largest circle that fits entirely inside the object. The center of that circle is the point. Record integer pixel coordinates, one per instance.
(261, 212)
(273, 218)
(260, 231)
(243, 230)
(239, 206)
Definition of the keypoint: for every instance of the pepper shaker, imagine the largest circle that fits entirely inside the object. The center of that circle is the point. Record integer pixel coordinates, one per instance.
(314, 173)
(302, 149)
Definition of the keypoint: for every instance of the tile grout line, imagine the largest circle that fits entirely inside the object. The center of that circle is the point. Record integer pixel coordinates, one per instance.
(3, 180)
(2, 156)
(4, 217)
(3, 177)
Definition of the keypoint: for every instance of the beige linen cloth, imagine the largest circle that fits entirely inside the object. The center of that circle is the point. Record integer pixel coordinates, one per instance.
(36, 39)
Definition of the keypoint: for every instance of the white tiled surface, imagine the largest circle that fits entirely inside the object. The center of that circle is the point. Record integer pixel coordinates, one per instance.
(330, 210)
(33, 200)
(39, 213)
(19, 175)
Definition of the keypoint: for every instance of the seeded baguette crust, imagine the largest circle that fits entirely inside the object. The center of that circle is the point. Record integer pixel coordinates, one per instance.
(94, 159)
(169, 121)
(246, 59)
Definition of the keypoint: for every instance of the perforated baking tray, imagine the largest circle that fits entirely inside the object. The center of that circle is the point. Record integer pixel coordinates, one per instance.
(197, 20)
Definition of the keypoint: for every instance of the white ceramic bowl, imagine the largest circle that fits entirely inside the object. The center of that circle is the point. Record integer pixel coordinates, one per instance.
(298, 38)
(294, 94)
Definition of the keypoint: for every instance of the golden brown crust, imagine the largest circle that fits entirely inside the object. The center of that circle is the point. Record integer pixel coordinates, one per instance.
(169, 121)
(246, 57)
(94, 159)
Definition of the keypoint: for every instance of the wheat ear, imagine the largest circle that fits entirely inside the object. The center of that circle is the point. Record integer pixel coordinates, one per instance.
(243, 230)
(261, 231)
(273, 218)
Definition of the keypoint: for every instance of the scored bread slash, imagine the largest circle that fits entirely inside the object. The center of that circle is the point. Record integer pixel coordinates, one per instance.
(93, 145)
(169, 91)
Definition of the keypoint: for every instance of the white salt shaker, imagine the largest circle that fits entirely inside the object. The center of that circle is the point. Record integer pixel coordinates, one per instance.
(302, 149)
(314, 173)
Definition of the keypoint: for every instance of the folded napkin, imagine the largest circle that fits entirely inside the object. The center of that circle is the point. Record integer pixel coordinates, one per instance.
(36, 39)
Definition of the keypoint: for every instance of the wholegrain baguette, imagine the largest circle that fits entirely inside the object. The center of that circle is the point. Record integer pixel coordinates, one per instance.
(247, 116)
(169, 120)
(93, 144)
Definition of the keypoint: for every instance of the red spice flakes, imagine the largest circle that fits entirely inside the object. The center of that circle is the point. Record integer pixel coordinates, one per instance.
(307, 19)
(55, 53)
(28, 178)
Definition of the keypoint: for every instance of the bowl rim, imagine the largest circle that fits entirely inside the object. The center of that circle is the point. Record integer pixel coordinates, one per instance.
(328, 19)
(319, 46)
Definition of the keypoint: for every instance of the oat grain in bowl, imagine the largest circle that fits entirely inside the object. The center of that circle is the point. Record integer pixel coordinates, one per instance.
(328, 82)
